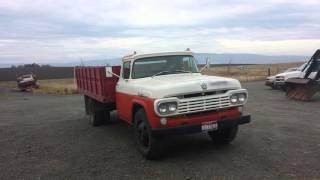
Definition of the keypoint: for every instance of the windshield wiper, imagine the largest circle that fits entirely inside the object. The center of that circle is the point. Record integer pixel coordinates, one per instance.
(183, 71)
(159, 73)
(167, 72)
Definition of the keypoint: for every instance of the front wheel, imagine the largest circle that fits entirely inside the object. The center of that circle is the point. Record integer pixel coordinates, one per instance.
(148, 145)
(284, 88)
(224, 136)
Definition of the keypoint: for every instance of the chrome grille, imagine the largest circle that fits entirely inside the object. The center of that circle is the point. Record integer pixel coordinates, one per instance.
(279, 79)
(205, 103)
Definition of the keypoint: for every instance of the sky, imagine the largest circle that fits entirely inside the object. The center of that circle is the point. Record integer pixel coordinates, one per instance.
(70, 30)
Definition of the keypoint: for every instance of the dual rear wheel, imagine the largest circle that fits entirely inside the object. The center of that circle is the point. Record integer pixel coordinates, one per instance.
(98, 112)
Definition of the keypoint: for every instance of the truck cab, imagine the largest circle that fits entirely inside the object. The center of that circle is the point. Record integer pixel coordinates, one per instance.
(164, 94)
(173, 97)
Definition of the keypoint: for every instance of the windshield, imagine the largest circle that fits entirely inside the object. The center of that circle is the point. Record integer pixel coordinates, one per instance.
(156, 66)
(291, 69)
(301, 67)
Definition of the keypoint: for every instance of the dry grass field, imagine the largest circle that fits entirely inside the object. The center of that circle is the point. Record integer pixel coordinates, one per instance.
(243, 73)
(50, 86)
(249, 72)
(56, 86)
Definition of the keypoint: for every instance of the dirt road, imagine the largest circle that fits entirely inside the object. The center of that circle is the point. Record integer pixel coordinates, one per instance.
(49, 137)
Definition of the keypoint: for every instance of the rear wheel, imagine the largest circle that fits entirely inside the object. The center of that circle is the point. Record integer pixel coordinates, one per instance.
(98, 118)
(148, 145)
(86, 104)
(224, 136)
(98, 113)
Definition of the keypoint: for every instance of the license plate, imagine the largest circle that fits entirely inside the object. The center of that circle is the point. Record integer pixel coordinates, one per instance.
(209, 126)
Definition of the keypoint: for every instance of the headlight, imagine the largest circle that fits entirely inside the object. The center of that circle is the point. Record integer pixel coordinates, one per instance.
(234, 99)
(238, 98)
(167, 107)
(162, 108)
(242, 97)
(172, 107)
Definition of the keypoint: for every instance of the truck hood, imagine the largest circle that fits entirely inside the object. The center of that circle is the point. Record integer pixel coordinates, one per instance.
(178, 84)
(291, 74)
(271, 78)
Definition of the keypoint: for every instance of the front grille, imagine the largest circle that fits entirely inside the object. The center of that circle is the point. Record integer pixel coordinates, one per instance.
(279, 79)
(208, 93)
(205, 103)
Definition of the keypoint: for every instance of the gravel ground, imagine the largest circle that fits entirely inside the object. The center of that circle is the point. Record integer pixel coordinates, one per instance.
(49, 137)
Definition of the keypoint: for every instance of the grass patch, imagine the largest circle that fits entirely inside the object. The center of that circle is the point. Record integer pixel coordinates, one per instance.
(50, 86)
(8, 84)
(56, 86)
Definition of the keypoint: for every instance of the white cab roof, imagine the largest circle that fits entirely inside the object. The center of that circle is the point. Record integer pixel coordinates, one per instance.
(138, 56)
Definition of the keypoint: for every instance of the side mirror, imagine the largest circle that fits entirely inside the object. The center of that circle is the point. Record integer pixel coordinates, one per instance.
(206, 66)
(109, 72)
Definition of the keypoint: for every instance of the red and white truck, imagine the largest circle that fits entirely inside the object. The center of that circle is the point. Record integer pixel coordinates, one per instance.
(162, 95)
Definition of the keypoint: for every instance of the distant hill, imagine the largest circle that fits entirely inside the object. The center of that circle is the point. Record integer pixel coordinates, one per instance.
(247, 58)
(113, 61)
(225, 58)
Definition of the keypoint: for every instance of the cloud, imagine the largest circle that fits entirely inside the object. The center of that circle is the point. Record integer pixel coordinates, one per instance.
(57, 30)
(282, 47)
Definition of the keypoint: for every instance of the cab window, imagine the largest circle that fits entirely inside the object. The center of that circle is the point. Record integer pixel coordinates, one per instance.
(126, 70)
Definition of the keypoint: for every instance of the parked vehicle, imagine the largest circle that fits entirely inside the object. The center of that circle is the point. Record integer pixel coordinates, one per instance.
(162, 95)
(305, 86)
(27, 81)
(278, 81)
(270, 82)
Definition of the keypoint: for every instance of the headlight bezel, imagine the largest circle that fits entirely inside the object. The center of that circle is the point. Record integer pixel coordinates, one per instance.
(173, 102)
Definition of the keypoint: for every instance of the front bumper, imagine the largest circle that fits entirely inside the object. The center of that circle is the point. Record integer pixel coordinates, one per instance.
(189, 129)
(269, 83)
(279, 83)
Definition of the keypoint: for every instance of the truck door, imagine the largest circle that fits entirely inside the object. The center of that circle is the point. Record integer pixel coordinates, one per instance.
(123, 95)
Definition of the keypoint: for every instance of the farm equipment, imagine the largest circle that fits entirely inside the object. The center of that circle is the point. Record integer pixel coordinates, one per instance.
(27, 81)
(278, 81)
(305, 87)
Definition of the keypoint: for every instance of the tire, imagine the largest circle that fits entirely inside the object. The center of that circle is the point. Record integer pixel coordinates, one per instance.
(86, 105)
(98, 113)
(148, 145)
(224, 136)
(283, 88)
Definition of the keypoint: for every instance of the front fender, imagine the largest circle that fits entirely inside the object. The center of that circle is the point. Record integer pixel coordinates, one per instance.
(147, 104)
